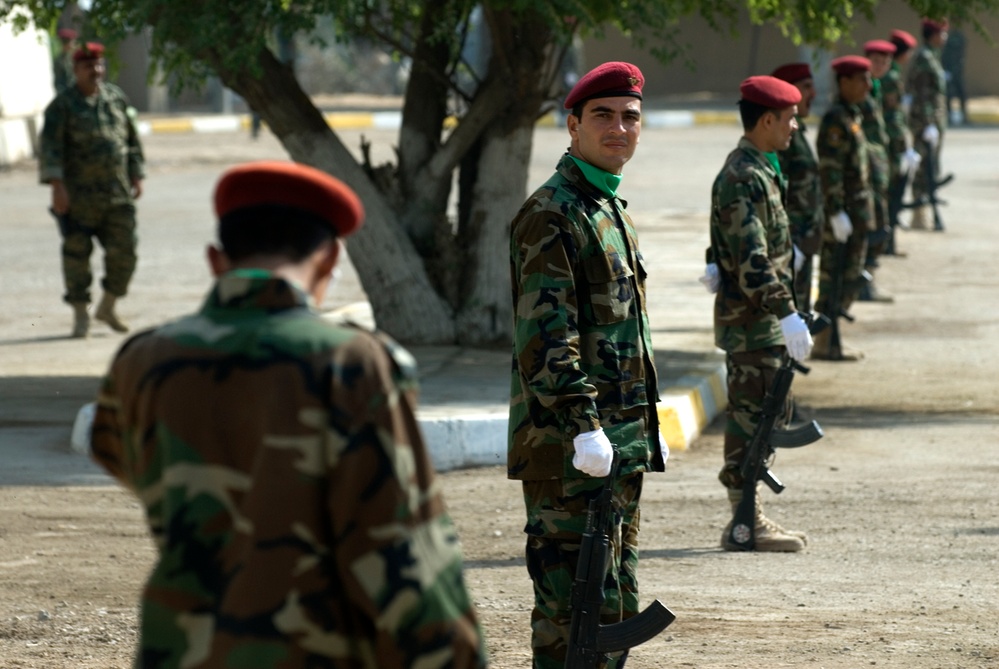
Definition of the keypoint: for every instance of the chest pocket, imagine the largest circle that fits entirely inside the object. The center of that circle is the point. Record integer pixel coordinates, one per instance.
(610, 284)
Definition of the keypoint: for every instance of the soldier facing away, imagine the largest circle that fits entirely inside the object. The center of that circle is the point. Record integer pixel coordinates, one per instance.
(756, 320)
(584, 383)
(279, 463)
(91, 156)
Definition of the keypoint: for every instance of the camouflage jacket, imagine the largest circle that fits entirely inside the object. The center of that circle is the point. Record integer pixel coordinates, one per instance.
(582, 351)
(877, 139)
(751, 243)
(804, 195)
(91, 144)
(63, 76)
(844, 165)
(288, 489)
(892, 92)
(928, 86)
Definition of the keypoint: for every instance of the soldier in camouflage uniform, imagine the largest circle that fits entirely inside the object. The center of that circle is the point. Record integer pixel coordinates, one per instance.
(756, 321)
(584, 384)
(928, 113)
(902, 158)
(278, 459)
(879, 52)
(62, 62)
(91, 156)
(804, 195)
(844, 170)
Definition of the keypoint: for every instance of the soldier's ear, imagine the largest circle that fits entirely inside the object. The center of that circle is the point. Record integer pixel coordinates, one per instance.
(218, 261)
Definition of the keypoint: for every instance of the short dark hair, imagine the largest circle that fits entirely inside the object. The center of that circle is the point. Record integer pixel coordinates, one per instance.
(752, 112)
(900, 46)
(272, 229)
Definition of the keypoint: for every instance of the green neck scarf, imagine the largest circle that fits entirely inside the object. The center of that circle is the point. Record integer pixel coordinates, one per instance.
(773, 160)
(606, 182)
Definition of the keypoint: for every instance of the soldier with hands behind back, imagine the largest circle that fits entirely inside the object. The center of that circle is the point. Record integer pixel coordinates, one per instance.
(756, 320)
(279, 462)
(584, 383)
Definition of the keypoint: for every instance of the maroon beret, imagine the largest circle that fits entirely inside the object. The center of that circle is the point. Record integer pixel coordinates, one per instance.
(66, 33)
(847, 65)
(792, 72)
(934, 26)
(89, 51)
(290, 185)
(879, 46)
(902, 37)
(769, 92)
(609, 80)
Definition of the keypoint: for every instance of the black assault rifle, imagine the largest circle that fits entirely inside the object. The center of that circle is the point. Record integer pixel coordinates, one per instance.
(589, 641)
(834, 305)
(932, 184)
(766, 438)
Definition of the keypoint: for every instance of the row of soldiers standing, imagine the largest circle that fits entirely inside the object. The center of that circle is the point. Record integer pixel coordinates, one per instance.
(880, 135)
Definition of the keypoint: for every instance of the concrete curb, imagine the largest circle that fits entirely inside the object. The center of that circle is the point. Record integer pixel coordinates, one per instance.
(688, 405)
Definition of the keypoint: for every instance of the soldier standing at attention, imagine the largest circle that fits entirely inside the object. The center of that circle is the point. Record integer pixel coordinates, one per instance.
(584, 384)
(902, 158)
(283, 475)
(91, 156)
(879, 52)
(804, 195)
(62, 62)
(756, 320)
(844, 170)
(928, 114)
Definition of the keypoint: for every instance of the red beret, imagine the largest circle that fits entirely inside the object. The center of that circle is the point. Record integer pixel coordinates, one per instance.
(609, 80)
(290, 185)
(792, 72)
(89, 51)
(933, 26)
(769, 92)
(66, 33)
(902, 37)
(879, 46)
(847, 65)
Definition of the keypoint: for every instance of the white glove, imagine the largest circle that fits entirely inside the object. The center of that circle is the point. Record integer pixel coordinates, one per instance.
(910, 160)
(799, 258)
(593, 453)
(663, 447)
(931, 134)
(711, 279)
(841, 226)
(796, 336)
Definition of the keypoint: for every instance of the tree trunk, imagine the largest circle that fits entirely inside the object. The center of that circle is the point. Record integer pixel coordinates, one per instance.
(404, 302)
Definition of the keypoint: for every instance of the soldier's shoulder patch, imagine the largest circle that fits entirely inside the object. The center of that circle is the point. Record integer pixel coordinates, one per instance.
(834, 136)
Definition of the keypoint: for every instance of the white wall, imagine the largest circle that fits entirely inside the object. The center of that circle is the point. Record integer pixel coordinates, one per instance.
(25, 89)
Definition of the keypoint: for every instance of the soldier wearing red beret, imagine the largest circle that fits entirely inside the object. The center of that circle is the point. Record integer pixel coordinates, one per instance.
(91, 157)
(848, 200)
(584, 381)
(903, 159)
(804, 196)
(927, 83)
(879, 52)
(751, 272)
(278, 458)
(62, 62)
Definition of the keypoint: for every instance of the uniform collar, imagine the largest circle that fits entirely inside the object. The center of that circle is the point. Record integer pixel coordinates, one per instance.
(758, 156)
(571, 171)
(256, 289)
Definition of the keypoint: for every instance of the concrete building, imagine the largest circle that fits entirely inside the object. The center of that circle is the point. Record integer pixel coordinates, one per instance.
(25, 89)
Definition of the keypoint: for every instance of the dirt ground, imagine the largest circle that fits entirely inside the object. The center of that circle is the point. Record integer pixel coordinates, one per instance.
(900, 498)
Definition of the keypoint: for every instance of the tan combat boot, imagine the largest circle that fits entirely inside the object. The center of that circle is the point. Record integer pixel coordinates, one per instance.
(918, 221)
(769, 536)
(81, 320)
(105, 312)
(822, 349)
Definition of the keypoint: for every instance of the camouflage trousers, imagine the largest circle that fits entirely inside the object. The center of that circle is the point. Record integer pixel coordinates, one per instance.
(114, 228)
(556, 519)
(750, 375)
(852, 269)
(880, 181)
